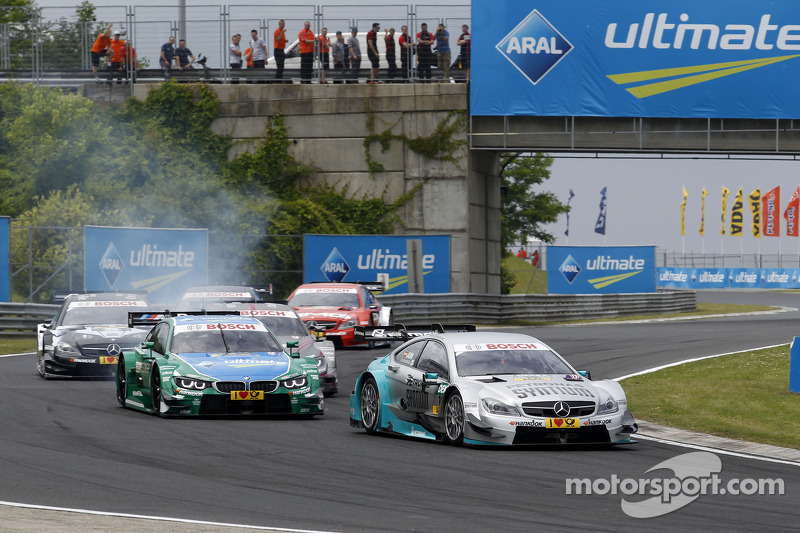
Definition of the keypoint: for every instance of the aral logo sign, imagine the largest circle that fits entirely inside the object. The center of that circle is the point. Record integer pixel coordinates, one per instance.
(111, 265)
(534, 47)
(335, 268)
(600, 269)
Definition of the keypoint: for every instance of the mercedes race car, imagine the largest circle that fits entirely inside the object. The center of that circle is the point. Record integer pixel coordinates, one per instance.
(340, 307)
(453, 384)
(215, 364)
(284, 323)
(202, 297)
(88, 334)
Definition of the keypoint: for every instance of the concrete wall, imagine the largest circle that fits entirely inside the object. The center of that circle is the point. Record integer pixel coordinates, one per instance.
(327, 125)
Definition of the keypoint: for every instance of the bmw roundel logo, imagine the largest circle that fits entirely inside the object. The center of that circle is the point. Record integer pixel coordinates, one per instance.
(113, 349)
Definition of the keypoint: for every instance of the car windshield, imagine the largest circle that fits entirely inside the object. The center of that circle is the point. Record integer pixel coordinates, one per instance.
(99, 316)
(284, 327)
(324, 299)
(200, 303)
(224, 341)
(493, 362)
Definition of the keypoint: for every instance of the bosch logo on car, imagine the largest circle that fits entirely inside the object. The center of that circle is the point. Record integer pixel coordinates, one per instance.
(534, 47)
(111, 264)
(335, 268)
(570, 269)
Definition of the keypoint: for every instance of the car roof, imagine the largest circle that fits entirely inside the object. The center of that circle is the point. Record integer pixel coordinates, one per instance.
(259, 306)
(485, 337)
(206, 319)
(104, 296)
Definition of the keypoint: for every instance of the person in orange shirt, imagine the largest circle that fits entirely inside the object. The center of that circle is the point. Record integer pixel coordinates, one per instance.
(99, 50)
(307, 41)
(279, 46)
(324, 54)
(116, 50)
(129, 63)
(248, 57)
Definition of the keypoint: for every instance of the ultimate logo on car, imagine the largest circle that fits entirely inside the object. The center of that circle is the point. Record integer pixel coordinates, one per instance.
(335, 268)
(534, 47)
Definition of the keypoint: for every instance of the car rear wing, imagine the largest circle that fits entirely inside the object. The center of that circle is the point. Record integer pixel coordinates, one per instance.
(371, 286)
(403, 333)
(60, 295)
(151, 319)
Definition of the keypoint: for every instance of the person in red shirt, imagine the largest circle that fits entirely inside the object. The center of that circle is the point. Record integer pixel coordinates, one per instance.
(390, 52)
(424, 53)
(100, 49)
(129, 63)
(307, 42)
(279, 45)
(324, 54)
(406, 43)
(372, 52)
(464, 41)
(248, 57)
(116, 51)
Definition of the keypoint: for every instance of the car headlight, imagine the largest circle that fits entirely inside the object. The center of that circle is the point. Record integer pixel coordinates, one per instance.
(190, 383)
(607, 406)
(496, 407)
(353, 322)
(295, 383)
(68, 350)
(322, 364)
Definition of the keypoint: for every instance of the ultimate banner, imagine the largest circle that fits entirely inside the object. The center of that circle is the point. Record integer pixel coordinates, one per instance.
(601, 269)
(626, 58)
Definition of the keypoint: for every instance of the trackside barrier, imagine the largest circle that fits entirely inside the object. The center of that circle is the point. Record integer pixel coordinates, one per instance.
(421, 309)
(21, 319)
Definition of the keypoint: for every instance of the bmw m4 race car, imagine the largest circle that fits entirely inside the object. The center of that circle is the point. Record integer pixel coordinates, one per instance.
(215, 364)
(478, 388)
(88, 334)
(339, 308)
(284, 323)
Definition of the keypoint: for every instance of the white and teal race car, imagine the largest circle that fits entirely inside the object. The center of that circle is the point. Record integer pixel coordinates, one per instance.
(469, 387)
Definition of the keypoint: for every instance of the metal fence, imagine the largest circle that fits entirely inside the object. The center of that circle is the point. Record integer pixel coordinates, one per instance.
(38, 41)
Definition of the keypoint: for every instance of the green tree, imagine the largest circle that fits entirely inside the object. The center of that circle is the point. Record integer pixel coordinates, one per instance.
(66, 43)
(21, 17)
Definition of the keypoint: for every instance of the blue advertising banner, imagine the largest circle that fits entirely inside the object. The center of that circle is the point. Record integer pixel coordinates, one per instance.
(5, 259)
(729, 278)
(627, 58)
(372, 257)
(601, 269)
(163, 262)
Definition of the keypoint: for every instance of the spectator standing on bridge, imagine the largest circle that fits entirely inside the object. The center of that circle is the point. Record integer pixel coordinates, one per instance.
(184, 54)
(406, 53)
(116, 51)
(337, 51)
(324, 54)
(424, 53)
(390, 53)
(279, 48)
(248, 57)
(354, 51)
(443, 51)
(130, 65)
(258, 49)
(464, 40)
(307, 42)
(99, 50)
(235, 56)
(372, 52)
(167, 53)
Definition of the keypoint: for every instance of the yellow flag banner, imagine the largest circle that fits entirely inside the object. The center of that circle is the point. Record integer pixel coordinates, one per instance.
(737, 215)
(703, 212)
(683, 212)
(755, 210)
(725, 193)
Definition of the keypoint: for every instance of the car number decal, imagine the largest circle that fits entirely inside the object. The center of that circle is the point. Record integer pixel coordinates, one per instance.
(561, 423)
(247, 395)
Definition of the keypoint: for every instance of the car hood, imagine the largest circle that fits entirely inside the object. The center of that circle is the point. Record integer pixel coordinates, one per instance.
(323, 313)
(528, 388)
(88, 335)
(238, 366)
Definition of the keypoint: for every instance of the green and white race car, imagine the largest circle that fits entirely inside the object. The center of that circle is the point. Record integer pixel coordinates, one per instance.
(215, 364)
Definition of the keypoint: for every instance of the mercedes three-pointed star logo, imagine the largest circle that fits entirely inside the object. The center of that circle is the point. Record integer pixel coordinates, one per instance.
(113, 349)
(561, 409)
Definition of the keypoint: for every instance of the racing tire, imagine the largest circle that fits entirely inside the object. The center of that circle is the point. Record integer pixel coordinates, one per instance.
(122, 383)
(370, 406)
(155, 391)
(454, 419)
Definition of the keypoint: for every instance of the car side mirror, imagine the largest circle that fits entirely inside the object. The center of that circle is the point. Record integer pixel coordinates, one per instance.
(430, 378)
(293, 344)
(586, 374)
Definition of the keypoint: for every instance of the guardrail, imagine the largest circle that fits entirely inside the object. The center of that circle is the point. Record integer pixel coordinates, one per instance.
(421, 309)
(21, 319)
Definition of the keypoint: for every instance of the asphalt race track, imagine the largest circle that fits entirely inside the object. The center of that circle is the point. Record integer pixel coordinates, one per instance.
(67, 444)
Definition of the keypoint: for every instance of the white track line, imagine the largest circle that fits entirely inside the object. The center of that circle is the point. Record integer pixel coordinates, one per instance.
(18, 354)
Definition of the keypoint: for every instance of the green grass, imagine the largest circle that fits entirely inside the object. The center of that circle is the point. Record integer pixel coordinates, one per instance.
(530, 280)
(17, 345)
(741, 396)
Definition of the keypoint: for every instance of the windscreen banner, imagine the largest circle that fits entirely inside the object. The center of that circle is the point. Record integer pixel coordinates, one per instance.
(162, 262)
(601, 269)
(628, 58)
(351, 258)
(728, 278)
(5, 259)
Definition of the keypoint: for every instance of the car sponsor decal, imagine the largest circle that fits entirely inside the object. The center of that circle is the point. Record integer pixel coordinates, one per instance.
(109, 360)
(525, 391)
(143, 367)
(218, 294)
(185, 328)
(528, 423)
(459, 348)
(532, 377)
(326, 289)
(573, 377)
(435, 409)
(76, 360)
(596, 422)
(562, 423)
(263, 312)
(187, 392)
(137, 393)
(247, 395)
(109, 303)
(442, 388)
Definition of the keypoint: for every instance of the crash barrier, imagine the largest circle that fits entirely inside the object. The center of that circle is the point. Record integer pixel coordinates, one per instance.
(21, 319)
(418, 309)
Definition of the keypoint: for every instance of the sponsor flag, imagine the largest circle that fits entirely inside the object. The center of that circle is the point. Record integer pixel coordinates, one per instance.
(737, 214)
(600, 225)
(770, 207)
(791, 214)
(569, 199)
(725, 193)
(703, 212)
(683, 212)
(755, 211)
